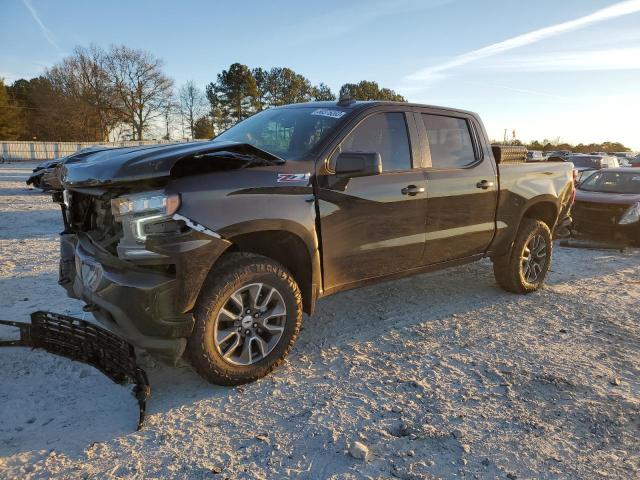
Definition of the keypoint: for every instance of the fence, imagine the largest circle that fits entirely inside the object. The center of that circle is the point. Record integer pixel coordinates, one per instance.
(40, 151)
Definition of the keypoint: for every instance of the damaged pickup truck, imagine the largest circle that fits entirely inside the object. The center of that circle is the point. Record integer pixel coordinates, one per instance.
(213, 250)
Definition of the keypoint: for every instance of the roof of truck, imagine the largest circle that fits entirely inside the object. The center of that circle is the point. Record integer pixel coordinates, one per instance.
(354, 105)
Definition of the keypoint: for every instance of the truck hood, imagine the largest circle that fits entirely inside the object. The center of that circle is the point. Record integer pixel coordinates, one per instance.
(130, 164)
(605, 197)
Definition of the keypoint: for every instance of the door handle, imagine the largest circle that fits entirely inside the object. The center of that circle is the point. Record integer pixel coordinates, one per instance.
(412, 190)
(484, 184)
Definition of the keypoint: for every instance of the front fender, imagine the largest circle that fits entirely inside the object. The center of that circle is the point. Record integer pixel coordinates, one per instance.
(256, 203)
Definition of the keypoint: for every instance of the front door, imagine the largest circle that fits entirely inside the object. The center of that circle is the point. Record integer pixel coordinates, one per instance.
(461, 189)
(373, 226)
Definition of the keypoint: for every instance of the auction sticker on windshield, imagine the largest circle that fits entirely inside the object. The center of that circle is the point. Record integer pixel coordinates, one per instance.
(324, 112)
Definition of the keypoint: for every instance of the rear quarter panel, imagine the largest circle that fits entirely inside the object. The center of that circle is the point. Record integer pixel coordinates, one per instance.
(524, 185)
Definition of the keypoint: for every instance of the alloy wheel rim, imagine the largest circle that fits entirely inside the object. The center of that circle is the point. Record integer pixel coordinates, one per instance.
(250, 324)
(534, 258)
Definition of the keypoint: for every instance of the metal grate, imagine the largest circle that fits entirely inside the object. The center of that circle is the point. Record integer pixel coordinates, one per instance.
(84, 342)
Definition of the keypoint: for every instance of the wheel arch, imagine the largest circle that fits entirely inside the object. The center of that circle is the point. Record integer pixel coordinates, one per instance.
(544, 210)
(287, 248)
(543, 207)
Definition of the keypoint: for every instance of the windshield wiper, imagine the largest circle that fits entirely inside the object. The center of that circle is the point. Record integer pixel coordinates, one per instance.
(248, 158)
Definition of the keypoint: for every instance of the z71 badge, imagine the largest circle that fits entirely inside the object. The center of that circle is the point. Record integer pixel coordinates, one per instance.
(293, 177)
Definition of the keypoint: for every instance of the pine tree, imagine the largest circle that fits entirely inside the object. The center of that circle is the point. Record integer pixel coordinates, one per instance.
(367, 90)
(10, 124)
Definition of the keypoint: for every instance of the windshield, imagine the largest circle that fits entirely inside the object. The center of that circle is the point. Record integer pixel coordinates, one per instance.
(586, 162)
(612, 182)
(288, 133)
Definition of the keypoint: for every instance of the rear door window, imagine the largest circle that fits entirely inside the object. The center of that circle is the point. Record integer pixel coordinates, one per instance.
(386, 134)
(449, 141)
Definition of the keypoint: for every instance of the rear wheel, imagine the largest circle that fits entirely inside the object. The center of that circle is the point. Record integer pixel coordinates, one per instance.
(525, 267)
(247, 319)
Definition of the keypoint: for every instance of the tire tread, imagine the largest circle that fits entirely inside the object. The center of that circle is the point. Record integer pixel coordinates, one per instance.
(506, 268)
(233, 267)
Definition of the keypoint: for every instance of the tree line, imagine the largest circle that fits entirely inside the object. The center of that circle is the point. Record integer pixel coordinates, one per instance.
(557, 145)
(121, 93)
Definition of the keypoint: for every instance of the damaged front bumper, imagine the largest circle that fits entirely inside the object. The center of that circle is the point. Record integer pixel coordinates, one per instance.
(81, 341)
(148, 306)
(608, 232)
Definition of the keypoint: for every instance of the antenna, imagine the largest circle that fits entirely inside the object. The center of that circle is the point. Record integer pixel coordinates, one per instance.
(345, 99)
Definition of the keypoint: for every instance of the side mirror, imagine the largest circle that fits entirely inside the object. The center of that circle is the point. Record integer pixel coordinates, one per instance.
(358, 164)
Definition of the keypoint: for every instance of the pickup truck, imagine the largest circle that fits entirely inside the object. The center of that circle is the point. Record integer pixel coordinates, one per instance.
(211, 251)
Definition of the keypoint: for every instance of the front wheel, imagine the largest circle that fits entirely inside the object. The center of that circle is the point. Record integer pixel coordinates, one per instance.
(525, 267)
(247, 318)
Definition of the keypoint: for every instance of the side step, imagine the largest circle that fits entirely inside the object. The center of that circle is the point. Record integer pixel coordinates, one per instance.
(84, 342)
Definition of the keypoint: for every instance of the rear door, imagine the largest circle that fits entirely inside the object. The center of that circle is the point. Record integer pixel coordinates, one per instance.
(461, 186)
(373, 226)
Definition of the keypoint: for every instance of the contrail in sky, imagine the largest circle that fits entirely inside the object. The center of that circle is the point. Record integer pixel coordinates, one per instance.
(617, 10)
(36, 18)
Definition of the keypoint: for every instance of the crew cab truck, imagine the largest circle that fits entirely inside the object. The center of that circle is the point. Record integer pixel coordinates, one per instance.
(213, 250)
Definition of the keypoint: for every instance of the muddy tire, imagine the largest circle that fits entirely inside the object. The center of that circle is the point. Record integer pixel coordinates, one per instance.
(247, 318)
(524, 268)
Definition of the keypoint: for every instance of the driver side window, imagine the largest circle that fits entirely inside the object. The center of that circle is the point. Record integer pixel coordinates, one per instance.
(383, 133)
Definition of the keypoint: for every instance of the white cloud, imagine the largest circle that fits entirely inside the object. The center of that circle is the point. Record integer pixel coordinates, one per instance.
(349, 17)
(433, 73)
(45, 31)
(8, 77)
(594, 60)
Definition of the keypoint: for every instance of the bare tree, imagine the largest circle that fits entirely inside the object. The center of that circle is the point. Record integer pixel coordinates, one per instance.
(171, 111)
(142, 90)
(192, 103)
(85, 93)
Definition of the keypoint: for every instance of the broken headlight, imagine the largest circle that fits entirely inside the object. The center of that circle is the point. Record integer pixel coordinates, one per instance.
(156, 202)
(632, 215)
(144, 213)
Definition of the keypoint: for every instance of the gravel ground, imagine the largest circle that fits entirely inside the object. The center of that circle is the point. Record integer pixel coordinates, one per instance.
(436, 376)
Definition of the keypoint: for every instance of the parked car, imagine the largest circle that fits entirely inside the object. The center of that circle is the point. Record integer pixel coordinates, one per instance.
(587, 164)
(635, 162)
(558, 153)
(607, 205)
(624, 158)
(214, 249)
(535, 156)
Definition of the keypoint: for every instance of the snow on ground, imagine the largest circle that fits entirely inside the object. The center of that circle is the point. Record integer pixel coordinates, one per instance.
(440, 375)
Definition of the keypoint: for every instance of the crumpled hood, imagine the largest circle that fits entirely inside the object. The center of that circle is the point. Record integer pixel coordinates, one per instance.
(129, 164)
(604, 197)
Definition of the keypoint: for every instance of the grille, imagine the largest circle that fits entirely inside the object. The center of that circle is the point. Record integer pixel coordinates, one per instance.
(84, 342)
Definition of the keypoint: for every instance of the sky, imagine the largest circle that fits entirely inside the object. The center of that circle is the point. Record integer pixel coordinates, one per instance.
(544, 68)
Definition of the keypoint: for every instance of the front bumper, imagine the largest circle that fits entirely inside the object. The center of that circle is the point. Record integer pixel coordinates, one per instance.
(600, 222)
(618, 234)
(148, 308)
